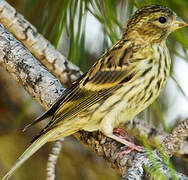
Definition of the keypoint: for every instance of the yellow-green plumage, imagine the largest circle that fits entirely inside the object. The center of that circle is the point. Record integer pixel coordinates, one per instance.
(123, 82)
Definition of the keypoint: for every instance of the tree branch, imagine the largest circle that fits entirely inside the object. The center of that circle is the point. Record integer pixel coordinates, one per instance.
(41, 48)
(174, 140)
(27, 70)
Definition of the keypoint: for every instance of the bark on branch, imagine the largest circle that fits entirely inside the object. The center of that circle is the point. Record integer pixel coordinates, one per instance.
(41, 48)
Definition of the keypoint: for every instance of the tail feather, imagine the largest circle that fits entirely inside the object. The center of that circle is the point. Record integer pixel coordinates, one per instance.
(29, 152)
(45, 115)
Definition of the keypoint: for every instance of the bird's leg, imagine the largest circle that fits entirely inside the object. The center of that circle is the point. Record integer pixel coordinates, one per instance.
(107, 128)
(122, 133)
(126, 141)
(124, 136)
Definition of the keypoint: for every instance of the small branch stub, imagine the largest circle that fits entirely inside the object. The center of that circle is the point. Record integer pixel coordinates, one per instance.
(52, 159)
(173, 141)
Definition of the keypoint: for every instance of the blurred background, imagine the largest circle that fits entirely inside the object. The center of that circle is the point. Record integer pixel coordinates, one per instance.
(82, 30)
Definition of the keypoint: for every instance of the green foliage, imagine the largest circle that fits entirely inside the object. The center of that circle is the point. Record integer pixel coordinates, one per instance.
(155, 171)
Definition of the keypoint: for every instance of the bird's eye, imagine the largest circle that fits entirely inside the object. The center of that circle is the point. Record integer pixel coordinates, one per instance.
(162, 20)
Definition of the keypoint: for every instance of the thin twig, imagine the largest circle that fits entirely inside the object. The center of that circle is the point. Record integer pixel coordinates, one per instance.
(52, 159)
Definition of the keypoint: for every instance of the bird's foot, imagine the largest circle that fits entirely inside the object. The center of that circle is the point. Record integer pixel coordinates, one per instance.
(132, 148)
(121, 136)
(122, 133)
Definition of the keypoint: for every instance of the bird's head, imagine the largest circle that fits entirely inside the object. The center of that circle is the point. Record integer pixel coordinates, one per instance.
(153, 23)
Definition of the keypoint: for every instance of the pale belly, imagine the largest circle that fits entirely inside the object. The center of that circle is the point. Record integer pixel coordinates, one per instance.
(121, 107)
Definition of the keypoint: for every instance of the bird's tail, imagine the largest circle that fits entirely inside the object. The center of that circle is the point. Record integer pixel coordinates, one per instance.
(29, 152)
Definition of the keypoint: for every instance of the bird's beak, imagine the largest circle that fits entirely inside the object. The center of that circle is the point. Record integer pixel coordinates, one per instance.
(178, 23)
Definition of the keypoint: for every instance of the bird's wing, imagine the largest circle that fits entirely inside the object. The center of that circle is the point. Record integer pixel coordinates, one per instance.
(105, 76)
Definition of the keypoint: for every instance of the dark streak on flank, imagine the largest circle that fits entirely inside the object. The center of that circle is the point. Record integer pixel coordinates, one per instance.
(128, 91)
(142, 98)
(146, 71)
(159, 67)
(158, 84)
(165, 59)
(132, 98)
(151, 94)
(166, 65)
(146, 88)
(153, 77)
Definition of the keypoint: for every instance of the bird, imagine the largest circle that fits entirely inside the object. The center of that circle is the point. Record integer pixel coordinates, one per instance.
(124, 81)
